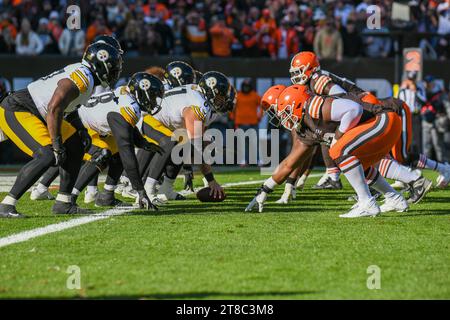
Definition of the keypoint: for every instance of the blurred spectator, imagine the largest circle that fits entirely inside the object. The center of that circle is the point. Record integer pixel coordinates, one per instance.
(54, 25)
(46, 37)
(152, 42)
(352, 40)
(328, 42)
(196, 35)
(287, 39)
(435, 121)
(8, 33)
(165, 33)
(247, 114)
(27, 41)
(132, 38)
(377, 46)
(98, 27)
(221, 38)
(443, 11)
(72, 42)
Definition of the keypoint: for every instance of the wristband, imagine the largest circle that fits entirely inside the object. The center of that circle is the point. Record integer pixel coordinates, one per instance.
(209, 177)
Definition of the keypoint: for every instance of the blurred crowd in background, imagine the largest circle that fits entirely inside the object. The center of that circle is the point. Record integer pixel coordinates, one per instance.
(250, 28)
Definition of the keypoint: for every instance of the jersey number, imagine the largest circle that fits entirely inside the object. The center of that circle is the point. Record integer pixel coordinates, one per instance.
(103, 98)
(174, 92)
(51, 75)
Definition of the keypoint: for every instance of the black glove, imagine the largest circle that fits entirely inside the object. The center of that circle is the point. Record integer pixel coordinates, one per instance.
(144, 202)
(151, 147)
(59, 151)
(86, 140)
(189, 180)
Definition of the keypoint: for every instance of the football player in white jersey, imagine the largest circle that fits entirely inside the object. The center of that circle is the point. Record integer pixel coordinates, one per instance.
(33, 119)
(41, 192)
(111, 119)
(182, 108)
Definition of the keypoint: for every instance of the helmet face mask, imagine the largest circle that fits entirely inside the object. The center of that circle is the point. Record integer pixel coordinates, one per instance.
(218, 92)
(290, 106)
(147, 89)
(287, 117)
(269, 103)
(303, 65)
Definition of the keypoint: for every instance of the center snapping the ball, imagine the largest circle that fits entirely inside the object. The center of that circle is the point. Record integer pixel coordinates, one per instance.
(203, 195)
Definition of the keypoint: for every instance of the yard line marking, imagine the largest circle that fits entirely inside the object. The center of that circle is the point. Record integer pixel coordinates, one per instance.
(52, 228)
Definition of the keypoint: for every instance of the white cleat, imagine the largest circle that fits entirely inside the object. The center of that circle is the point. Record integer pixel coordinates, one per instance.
(398, 185)
(394, 203)
(90, 197)
(129, 192)
(443, 179)
(41, 195)
(368, 208)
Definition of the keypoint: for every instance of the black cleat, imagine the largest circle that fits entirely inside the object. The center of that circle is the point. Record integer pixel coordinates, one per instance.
(68, 208)
(9, 211)
(329, 184)
(107, 199)
(180, 197)
(418, 189)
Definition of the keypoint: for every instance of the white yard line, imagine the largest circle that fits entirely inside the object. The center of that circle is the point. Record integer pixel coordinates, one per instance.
(42, 231)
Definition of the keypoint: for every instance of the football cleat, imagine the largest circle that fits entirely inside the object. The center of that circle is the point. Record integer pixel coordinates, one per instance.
(394, 202)
(129, 192)
(167, 190)
(373, 192)
(90, 197)
(36, 194)
(368, 208)
(9, 211)
(60, 207)
(418, 189)
(107, 199)
(329, 184)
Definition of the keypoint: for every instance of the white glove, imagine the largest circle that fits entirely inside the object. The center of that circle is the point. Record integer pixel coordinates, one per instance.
(288, 194)
(259, 199)
(301, 182)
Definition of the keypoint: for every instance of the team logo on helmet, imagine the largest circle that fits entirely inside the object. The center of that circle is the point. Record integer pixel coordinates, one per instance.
(211, 82)
(102, 55)
(144, 84)
(176, 72)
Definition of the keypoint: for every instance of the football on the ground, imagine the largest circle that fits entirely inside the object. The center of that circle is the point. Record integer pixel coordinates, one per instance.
(204, 195)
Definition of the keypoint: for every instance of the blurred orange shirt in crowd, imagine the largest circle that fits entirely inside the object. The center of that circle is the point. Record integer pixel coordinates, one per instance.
(247, 111)
(221, 39)
(92, 31)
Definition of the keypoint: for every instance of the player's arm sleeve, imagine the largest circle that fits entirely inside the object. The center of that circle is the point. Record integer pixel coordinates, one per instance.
(123, 133)
(345, 84)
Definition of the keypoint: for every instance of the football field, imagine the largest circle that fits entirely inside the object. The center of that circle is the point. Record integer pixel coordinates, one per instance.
(193, 250)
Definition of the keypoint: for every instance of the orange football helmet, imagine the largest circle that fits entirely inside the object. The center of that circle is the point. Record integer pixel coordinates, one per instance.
(303, 65)
(269, 103)
(290, 105)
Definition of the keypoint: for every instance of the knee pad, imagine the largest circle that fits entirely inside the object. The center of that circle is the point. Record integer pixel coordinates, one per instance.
(101, 158)
(45, 154)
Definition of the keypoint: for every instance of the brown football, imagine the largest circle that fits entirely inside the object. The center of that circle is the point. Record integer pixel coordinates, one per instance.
(203, 196)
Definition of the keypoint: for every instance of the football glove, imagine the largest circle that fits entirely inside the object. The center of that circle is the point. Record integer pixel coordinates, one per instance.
(59, 151)
(259, 199)
(144, 202)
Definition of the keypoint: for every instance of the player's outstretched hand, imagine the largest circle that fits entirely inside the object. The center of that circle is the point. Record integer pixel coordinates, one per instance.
(288, 194)
(86, 140)
(258, 200)
(216, 190)
(144, 201)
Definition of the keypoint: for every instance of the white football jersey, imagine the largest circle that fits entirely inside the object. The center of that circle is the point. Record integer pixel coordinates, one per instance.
(180, 98)
(94, 113)
(42, 90)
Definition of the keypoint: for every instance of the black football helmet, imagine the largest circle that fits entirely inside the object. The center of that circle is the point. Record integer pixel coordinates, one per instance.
(218, 91)
(179, 73)
(146, 89)
(105, 62)
(109, 40)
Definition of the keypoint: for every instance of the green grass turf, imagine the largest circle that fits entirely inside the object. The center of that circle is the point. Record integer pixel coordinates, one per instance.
(191, 250)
